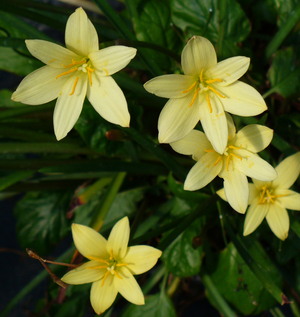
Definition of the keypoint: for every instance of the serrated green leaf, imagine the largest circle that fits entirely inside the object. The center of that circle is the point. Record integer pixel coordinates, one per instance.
(41, 220)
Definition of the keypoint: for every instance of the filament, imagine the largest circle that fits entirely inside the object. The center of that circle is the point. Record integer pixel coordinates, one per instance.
(209, 104)
(214, 90)
(75, 84)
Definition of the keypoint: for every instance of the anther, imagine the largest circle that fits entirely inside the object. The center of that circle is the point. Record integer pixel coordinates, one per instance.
(89, 71)
(217, 161)
(106, 71)
(75, 84)
(227, 163)
(117, 275)
(201, 75)
(209, 104)
(236, 156)
(104, 278)
(122, 264)
(216, 92)
(74, 63)
(183, 92)
(262, 195)
(97, 259)
(195, 95)
(96, 267)
(66, 73)
(214, 80)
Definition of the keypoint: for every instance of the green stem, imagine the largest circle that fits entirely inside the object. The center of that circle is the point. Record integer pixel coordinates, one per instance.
(173, 286)
(283, 32)
(294, 307)
(276, 312)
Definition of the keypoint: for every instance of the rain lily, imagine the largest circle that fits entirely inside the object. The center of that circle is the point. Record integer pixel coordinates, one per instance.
(206, 89)
(112, 264)
(238, 161)
(72, 73)
(270, 199)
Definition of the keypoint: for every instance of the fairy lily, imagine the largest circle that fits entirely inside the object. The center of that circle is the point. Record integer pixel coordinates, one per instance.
(270, 199)
(72, 73)
(111, 264)
(204, 92)
(238, 161)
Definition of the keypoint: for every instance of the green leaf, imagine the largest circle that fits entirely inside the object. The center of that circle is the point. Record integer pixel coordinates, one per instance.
(5, 100)
(41, 220)
(14, 178)
(284, 10)
(182, 258)
(224, 23)
(284, 73)
(155, 305)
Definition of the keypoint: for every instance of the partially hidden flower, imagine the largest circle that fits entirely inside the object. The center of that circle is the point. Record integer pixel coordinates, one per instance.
(238, 161)
(204, 92)
(270, 199)
(112, 264)
(72, 73)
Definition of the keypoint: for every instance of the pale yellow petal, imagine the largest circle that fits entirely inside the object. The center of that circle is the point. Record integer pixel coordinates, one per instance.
(288, 171)
(254, 137)
(112, 59)
(81, 36)
(141, 259)
(83, 275)
(253, 166)
(51, 54)
(89, 242)
(198, 54)
(231, 126)
(108, 100)
(118, 239)
(40, 86)
(253, 193)
(194, 144)
(214, 123)
(178, 118)
(128, 287)
(102, 297)
(289, 199)
(242, 99)
(229, 70)
(236, 190)
(260, 184)
(69, 105)
(254, 216)
(170, 86)
(221, 193)
(278, 220)
(203, 172)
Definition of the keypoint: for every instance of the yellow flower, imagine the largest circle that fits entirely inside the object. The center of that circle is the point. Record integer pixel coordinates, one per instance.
(270, 199)
(112, 264)
(238, 161)
(206, 89)
(74, 72)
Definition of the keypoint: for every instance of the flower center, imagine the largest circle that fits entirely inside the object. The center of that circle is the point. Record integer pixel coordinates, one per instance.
(110, 264)
(201, 85)
(227, 153)
(266, 196)
(85, 67)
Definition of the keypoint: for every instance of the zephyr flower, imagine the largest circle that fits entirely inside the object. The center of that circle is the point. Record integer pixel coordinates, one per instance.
(270, 199)
(112, 264)
(74, 72)
(238, 161)
(206, 89)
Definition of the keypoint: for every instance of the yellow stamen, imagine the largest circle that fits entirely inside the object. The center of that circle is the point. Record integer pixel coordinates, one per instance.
(214, 90)
(89, 71)
(262, 195)
(214, 80)
(234, 147)
(201, 75)
(270, 196)
(52, 60)
(195, 95)
(183, 92)
(75, 84)
(104, 278)
(212, 150)
(66, 73)
(97, 259)
(236, 156)
(117, 275)
(74, 63)
(111, 255)
(217, 161)
(96, 267)
(106, 71)
(209, 104)
(227, 163)
(122, 264)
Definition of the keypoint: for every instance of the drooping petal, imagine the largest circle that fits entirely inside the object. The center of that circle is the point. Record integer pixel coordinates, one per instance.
(141, 258)
(253, 166)
(242, 99)
(170, 86)
(192, 144)
(51, 54)
(278, 220)
(102, 297)
(214, 123)
(288, 171)
(254, 216)
(69, 105)
(178, 118)
(236, 189)
(253, 193)
(118, 239)
(81, 36)
(229, 70)
(198, 54)
(254, 137)
(40, 86)
(108, 100)
(128, 287)
(89, 242)
(112, 59)
(83, 275)
(289, 199)
(203, 172)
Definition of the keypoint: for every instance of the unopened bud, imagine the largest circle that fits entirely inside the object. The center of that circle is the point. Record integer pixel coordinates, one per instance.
(115, 135)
